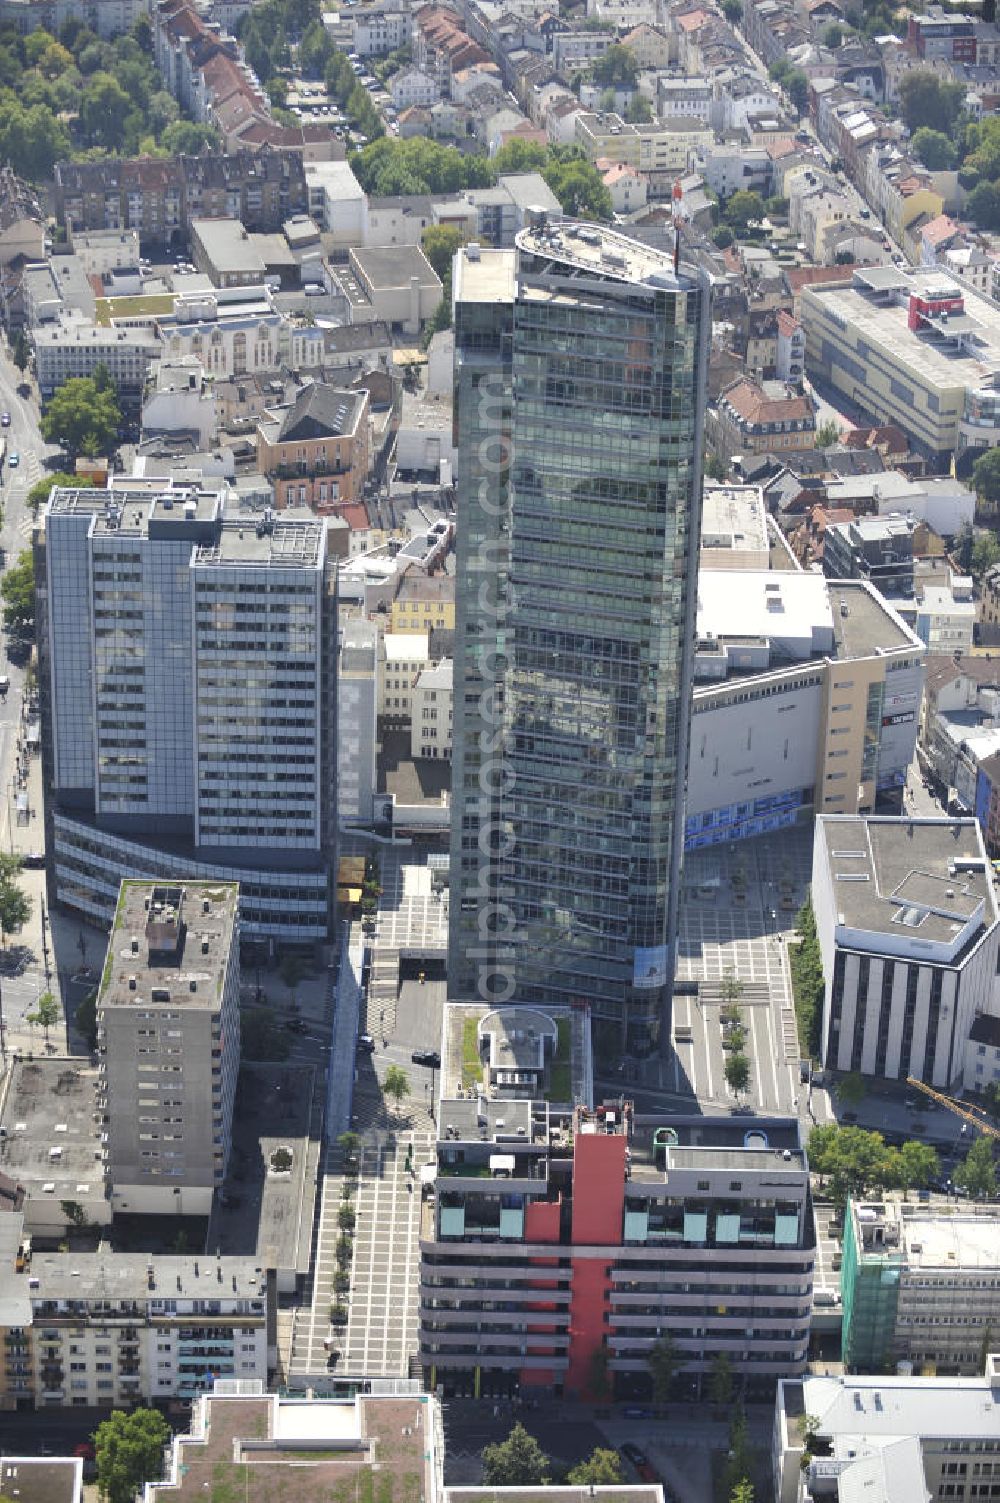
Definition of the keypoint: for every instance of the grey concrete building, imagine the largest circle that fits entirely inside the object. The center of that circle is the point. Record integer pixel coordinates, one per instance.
(168, 1021)
(906, 918)
(188, 669)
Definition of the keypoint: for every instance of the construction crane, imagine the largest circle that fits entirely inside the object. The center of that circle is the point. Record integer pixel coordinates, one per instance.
(960, 1108)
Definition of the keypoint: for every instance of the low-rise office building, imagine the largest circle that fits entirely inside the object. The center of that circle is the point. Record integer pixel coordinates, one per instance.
(806, 698)
(168, 1036)
(226, 253)
(920, 1286)
(734, 532)
(889, 1439)
(82, 1329)
(911, 348)
(563, 1238)
(906, 918)
(72, 346)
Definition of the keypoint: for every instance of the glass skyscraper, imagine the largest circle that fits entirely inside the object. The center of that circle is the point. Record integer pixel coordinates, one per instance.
(575, 622)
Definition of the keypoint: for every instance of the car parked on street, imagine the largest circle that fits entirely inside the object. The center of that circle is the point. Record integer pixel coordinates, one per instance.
(429, 1057)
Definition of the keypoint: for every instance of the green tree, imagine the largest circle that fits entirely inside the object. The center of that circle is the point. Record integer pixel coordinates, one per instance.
(723, 237)
(396, 1085)
(986, 475)
(715, 467)
(977, 1172)
(852, 1161)
(742, 1492)
(962, 548)
(720, 1380)
(985, 552)
(851, 1089)
(82, 418)
(519, 155)
(737, 1073)
(663, 1360)
(616, 69)
(732, 986)
(104, 110)
(577, 184)
(983, 206)
(918, 1165)
(440, 242)
(42, 489)
(518, 1461)
(737, 1468)
(21, 350)
(926, 102)
(85, 1019)
(741, 207)
(129, 1453)
(794, 82)
(46, 1014)
(187, 138)
(832, 36)
(349, 1144)
(15, 907)
(73, 1212)
(733, 11)
(260, 1036)
(808, 985)
(17, 588)
(827, 434)
(933, 148)
(602, 1468)
(639, 111)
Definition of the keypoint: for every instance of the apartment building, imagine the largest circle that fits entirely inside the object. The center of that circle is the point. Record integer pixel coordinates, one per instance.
(74, 346)
(424, 602)
(913, 349)
(404, 657)
(806, 699)
(381, 27)
(888, 1439)
(168, 1031)
(431, 712)
(920, 1286)
(158, 754)
(159, 197)
(664, 146)
(565, 1238)
(906, 918)
(317, 452)
(877, 549)
(765, 417)
(84, 1329)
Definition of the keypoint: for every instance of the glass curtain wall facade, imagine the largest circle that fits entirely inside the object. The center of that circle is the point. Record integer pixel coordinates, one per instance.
(608, 355)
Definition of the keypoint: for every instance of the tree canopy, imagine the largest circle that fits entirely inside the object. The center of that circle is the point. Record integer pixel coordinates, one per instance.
(856, 1162)
(934, 148)
(925, 101)
(616, 69)
(390, 166)
(83, 416)
(40, 491)
(986, 475)
(602, 1468)
(17, 587)
(518, 1461)
(129, 1452)
(15, 905)
(977, 1172)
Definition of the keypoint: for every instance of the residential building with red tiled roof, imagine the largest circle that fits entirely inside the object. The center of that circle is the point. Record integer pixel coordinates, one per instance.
(761, 418)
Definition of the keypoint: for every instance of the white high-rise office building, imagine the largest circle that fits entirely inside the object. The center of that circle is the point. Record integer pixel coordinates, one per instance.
(188, 696)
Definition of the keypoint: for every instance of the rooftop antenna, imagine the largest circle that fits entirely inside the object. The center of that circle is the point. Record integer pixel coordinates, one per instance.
(677, 195)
